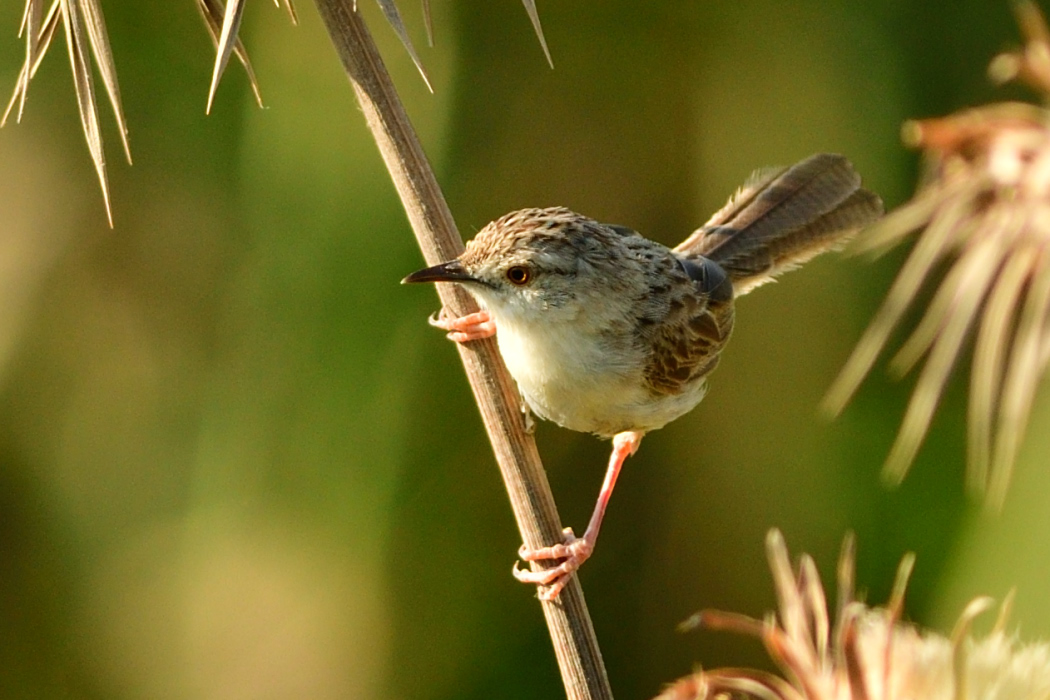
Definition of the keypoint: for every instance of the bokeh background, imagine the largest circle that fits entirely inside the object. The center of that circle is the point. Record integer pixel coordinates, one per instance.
(235, 462)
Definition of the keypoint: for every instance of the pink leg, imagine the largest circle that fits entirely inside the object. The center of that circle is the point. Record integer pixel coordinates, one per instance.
(469, 327)
(576, 550)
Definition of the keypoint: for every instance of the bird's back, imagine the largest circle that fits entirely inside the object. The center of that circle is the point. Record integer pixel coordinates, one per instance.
(778, 220)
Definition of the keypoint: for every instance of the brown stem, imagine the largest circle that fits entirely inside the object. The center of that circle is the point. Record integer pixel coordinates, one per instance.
(570, 626)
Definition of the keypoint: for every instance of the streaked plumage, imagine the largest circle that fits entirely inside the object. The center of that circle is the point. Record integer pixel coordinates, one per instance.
(610, 333)
(617, 332)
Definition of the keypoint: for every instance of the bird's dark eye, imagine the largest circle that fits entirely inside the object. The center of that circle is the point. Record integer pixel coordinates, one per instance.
(519, 275)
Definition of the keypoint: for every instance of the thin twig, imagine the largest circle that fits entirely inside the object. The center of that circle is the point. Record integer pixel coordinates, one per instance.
(570, 626)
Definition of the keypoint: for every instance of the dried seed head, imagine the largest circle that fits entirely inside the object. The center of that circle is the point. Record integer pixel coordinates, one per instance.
(867, 653)
(984, 209)
(85, 30)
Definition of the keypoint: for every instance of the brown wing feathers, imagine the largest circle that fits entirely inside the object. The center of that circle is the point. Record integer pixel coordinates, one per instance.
(782, 218)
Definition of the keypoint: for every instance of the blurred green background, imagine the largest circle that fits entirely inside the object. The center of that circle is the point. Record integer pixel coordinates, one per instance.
(235, 462)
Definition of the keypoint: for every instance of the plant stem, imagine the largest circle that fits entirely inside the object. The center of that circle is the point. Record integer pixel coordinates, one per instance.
(572, 633)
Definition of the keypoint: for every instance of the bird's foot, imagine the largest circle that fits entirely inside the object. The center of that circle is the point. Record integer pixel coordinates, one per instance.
(574, 550)
(470, 327)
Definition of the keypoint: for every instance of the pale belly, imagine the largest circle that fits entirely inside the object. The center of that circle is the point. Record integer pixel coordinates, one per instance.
(586, 387)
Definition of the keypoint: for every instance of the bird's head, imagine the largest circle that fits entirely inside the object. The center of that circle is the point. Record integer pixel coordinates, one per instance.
(528, 264)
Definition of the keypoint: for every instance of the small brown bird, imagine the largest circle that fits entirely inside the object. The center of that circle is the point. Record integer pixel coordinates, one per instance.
(610, 333)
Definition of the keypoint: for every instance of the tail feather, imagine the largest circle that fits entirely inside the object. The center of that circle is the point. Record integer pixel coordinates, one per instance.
(783, 217)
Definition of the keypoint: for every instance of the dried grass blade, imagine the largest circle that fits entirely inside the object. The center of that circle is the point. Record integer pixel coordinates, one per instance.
(389, 8)
(224, 47)
(534, 17)
(31, 22)
(18, 96)
(973, 284)
(25, 17)
(38, 39)
(988, 356)
(99, 40)
(46, 34)
(931, 246)
(212, 13)
(428, 22)
(1022, 378)
(85, 94)
(290, 6)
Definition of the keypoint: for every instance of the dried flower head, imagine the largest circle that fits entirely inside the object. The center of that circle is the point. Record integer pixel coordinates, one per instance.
(85, 30)
(985, 211)
(869, 653)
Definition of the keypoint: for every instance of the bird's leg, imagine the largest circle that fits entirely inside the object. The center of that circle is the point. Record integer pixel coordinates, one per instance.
(470, 327)
(576, 550)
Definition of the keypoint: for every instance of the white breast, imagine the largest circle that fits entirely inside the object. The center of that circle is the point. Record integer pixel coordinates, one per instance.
(574, 378)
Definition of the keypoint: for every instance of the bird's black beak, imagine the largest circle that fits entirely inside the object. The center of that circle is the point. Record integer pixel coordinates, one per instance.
(451, 271)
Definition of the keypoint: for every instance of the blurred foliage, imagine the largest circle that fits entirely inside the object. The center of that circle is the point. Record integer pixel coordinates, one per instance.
(235, 461)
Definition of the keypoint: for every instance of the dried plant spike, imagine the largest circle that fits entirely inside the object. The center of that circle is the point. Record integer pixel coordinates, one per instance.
(227, 40)
(960, 647)
(389, 8)
(290, 6)
(17, 97)
(428, 22)
(32, 21)
(959, 285)
(86, 95)
(900, 585)
(724, 622)
(988, 364)
(927, 251)
(1019, 386)
(534, 17)
(974, 609)
(788, 596)
(892, 228)
(35, 50)
(845, 571)
(212, 12)
(816, 602)
(932, 380)
(99, 40)
(25, 16)
(1004, 612)
(47, 33)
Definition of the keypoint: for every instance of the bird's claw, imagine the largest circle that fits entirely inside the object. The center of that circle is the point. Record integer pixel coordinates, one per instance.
(463, 328)
(574, 551)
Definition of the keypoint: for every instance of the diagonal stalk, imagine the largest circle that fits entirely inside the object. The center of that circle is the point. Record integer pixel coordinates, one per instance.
(572, 633)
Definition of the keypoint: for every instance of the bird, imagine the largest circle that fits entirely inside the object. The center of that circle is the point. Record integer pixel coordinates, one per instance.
(607, 332)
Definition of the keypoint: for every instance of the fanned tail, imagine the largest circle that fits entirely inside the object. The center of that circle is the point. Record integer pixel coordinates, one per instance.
(783, 217)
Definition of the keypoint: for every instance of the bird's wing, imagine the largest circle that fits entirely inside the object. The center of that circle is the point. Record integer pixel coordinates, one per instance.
(686, 343)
